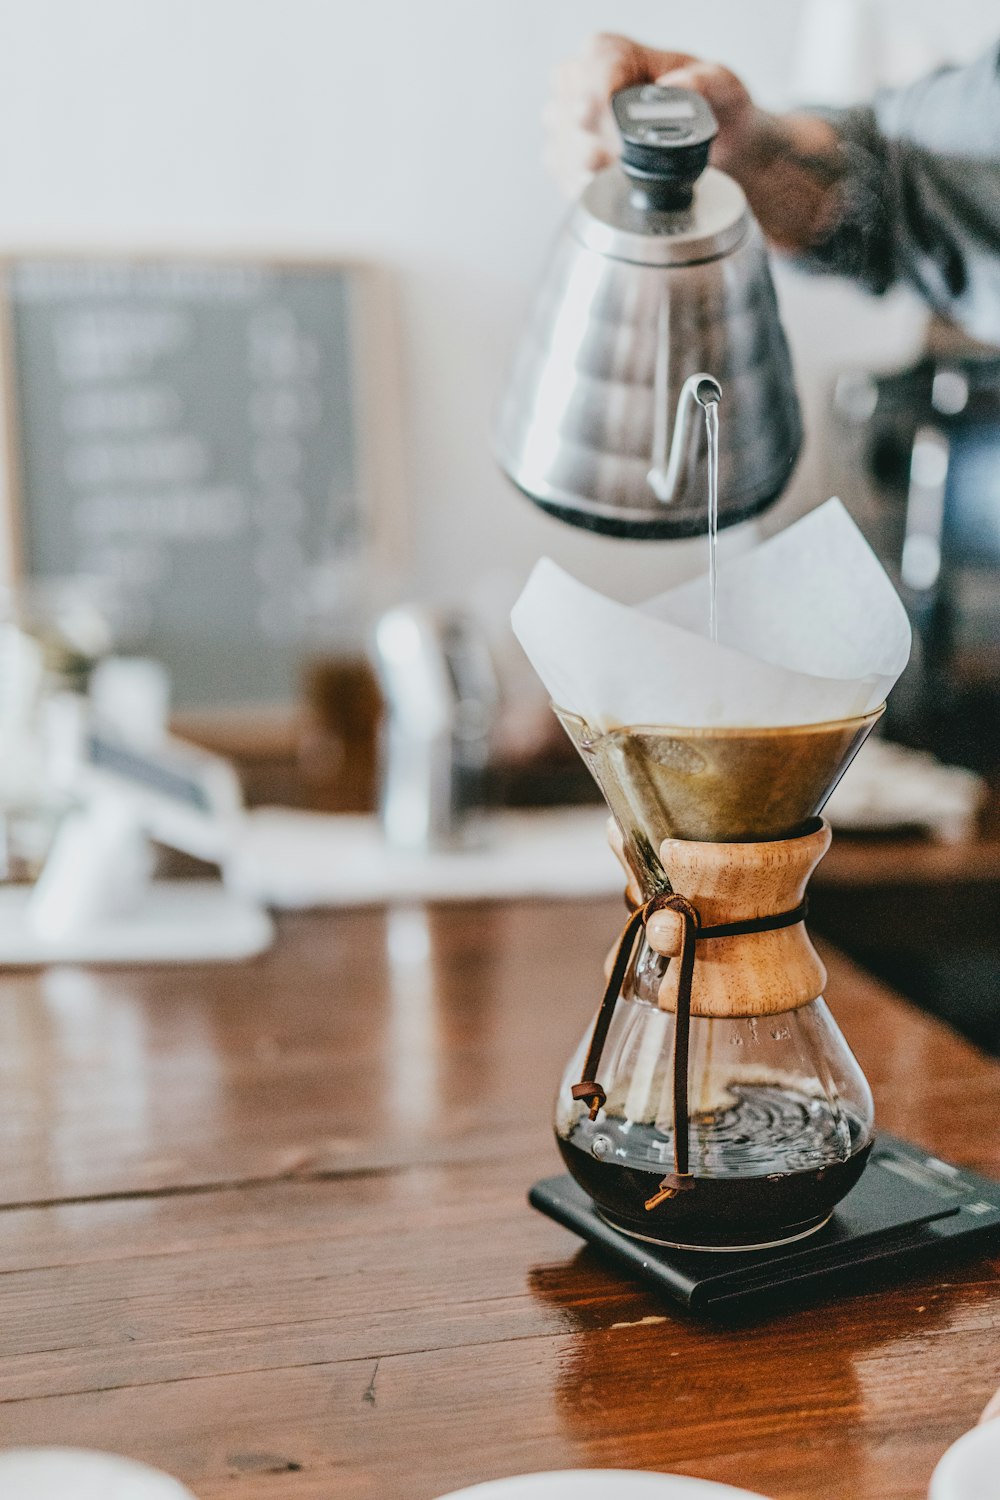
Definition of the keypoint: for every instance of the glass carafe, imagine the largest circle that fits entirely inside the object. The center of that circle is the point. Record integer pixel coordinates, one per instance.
(780, 1126)
(778, 1121)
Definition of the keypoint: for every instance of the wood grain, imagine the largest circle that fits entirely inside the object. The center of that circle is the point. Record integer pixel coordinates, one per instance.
(280, 1245)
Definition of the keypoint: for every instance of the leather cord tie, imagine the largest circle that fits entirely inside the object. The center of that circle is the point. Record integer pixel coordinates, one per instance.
(589, 1090)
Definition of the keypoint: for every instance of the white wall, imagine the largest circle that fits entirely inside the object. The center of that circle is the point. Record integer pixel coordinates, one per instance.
(407, 131)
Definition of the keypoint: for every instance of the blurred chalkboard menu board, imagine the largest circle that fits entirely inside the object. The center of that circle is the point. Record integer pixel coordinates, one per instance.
(192, 437)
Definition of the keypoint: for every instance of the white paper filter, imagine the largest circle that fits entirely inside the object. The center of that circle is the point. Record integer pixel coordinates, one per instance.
(810, 630)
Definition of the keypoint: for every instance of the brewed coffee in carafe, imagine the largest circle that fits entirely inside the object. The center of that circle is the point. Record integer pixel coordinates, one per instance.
(747, 1128)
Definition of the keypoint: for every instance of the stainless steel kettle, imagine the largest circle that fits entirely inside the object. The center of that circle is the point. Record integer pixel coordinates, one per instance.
(659, 278)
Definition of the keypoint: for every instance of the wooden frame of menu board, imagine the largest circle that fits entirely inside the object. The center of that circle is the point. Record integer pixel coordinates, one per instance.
(195, 423)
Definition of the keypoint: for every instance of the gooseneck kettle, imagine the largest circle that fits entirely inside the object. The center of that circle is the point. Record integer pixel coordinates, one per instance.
(660, 275)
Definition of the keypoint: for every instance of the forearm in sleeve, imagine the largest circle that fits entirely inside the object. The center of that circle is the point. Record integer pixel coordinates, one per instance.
(919, 194)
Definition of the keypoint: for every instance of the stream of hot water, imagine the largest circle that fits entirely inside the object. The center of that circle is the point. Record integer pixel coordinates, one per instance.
(709, 393)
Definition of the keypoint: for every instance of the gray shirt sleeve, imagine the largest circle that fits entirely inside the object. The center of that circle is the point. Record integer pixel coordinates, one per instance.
(921, 194)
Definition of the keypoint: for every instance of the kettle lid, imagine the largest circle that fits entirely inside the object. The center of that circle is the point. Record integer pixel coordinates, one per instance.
(666, 135)
(662, 204)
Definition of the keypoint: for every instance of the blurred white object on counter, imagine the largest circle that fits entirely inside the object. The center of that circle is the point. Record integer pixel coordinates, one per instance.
(890, 787)
(441, 695)
(21, 675)
(79, 1474)
(970, 1470)
(132, 693)
(94, 900)
(601, 1484)
(296, 860)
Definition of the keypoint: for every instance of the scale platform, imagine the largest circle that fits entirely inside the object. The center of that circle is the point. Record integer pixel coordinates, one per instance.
(908, 1209)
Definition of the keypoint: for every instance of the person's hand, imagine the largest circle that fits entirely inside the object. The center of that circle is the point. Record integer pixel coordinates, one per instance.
(581, 136)
(789, 166)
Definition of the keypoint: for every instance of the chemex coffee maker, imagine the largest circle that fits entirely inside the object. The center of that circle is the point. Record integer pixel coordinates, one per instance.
(713, 1104)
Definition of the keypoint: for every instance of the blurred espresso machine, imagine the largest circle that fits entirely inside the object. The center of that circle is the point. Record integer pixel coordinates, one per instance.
(920, 468)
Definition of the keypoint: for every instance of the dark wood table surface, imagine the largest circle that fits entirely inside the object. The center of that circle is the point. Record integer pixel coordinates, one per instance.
(265, 1226)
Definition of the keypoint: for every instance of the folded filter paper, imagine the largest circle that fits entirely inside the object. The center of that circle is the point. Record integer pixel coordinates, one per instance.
(810, 630)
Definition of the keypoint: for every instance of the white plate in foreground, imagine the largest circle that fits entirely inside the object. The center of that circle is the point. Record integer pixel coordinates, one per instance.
(969, 1469)
(600, 1484)
(79, 1474)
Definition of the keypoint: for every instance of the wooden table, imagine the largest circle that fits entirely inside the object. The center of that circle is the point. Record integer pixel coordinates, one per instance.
(265, 1226)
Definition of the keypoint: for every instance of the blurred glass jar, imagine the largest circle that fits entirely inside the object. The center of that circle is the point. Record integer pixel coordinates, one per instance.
(53, 632)
(71, 619)
(341, 707)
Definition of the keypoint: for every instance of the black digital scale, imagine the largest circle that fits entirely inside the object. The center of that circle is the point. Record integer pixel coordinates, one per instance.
(908, 1210)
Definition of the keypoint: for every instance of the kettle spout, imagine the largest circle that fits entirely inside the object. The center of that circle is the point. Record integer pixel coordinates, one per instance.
(698, 391)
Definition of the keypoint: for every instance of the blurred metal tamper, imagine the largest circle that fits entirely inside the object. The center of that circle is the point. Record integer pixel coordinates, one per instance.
(441, 696)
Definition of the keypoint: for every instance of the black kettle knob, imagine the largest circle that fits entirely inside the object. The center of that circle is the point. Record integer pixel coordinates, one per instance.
(666, 137)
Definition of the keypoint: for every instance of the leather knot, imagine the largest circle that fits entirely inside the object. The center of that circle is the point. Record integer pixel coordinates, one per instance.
(590, 1090)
